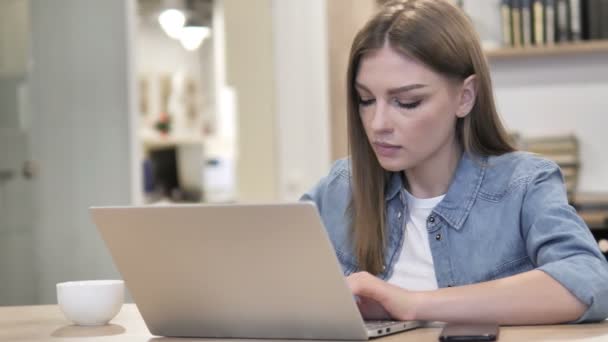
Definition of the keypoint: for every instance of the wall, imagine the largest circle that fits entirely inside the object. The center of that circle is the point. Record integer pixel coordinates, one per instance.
(276, 55)
(13, 37)
(250, 71)
(301, 69)
(343, 21)
(560, 95)
(81, 92)
(18, 285)
(14, 40)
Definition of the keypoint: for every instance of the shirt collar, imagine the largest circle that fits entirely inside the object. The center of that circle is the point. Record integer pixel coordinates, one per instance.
(462, 192)
(394, 185)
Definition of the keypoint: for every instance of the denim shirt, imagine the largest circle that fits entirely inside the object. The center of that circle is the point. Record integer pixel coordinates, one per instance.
(501, 216)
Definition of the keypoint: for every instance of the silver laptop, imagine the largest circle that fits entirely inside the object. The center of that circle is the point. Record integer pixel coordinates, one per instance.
(235, 271)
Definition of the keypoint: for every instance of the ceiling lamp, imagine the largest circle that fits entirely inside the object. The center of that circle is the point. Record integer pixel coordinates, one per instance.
(193, 34)
(172, 22)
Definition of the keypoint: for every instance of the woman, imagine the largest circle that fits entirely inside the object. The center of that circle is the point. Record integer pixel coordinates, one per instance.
(435, 216)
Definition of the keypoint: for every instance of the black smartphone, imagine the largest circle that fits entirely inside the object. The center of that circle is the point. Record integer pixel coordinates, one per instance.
(453, 332)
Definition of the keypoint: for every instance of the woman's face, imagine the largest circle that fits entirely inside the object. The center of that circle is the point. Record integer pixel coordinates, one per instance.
(409, 112)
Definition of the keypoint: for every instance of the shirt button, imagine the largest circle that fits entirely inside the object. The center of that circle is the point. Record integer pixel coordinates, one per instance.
(438, 237)
(399, 215)
(432, 219)
(384, 267)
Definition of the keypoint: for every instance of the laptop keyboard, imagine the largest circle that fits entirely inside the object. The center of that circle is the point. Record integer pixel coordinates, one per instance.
(379, 324)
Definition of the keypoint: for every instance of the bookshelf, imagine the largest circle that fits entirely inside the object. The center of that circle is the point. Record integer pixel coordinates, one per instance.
(564, 49)
(154, 142)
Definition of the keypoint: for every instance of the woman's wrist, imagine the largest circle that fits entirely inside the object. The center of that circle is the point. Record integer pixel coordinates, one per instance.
(420, 302)
(407, 305)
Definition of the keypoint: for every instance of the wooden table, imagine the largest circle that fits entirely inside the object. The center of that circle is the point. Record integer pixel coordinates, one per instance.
(46, 323)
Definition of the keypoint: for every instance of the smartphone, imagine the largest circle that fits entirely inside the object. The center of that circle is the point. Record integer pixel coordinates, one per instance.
(454, 332)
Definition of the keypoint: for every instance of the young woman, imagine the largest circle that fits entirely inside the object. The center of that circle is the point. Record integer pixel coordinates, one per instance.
(435, 216)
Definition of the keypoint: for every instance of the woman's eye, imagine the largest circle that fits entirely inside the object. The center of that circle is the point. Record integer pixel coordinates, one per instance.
(364, 102)
(408, 105)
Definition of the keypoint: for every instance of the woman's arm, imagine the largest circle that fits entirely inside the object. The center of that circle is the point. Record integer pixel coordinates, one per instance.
(528, 298)
(568, 284)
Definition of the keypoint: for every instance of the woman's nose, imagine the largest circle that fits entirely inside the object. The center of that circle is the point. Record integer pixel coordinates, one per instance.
(381, 119)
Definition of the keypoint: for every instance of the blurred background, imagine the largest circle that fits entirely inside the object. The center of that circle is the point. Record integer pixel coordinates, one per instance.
(140, 102)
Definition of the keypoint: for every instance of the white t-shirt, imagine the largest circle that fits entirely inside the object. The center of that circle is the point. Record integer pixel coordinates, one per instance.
(414, 269)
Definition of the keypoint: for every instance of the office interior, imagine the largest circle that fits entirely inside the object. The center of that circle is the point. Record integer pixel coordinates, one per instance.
(147, 102)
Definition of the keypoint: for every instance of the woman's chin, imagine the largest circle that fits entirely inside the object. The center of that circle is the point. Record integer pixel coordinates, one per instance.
(391, 165)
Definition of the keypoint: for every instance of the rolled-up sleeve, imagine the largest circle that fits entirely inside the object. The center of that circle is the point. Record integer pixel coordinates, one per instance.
(561, 245)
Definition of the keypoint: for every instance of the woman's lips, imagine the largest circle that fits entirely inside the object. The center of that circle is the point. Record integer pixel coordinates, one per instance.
(386, 150)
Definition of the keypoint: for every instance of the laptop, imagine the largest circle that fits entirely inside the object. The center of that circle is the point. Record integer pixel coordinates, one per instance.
(235, 271)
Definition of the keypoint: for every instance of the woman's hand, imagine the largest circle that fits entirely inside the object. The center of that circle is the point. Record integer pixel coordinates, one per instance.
(379, 300)
(371, 310)
(532, 297)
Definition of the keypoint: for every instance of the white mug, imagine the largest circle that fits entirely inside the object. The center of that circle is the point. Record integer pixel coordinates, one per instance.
(91, 302)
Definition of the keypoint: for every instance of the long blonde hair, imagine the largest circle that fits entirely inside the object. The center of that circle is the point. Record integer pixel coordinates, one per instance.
(438, 34)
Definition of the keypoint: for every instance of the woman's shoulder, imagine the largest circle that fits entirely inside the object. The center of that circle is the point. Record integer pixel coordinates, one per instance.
(338, 180)
(519, 163)
(332, 189)
(340, 168)
(512, 170)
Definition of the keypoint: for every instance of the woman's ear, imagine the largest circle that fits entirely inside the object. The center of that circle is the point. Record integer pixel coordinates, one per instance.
(468, 94)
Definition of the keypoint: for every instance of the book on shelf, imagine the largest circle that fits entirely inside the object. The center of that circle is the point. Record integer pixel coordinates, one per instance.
(563, 19)
(507, 31)
(516, 22)
(570, 184)
(526, 22)
(604, 19)
(561, 149)
(569, 172)
(585, 19)
(538, 17)
(550, 21)
(587, 16)
(576, 31)
(553, 144)
(546, 22)
(593, 16)
(563, 159)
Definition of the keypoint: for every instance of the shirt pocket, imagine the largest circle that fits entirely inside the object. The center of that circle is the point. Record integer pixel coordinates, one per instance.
(513, 267)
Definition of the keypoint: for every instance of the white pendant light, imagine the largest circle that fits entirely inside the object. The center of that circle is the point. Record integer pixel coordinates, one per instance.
(192, 36)
(172, 22)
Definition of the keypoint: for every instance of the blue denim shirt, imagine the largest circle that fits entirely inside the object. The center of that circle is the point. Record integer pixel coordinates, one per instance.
(501, 216)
